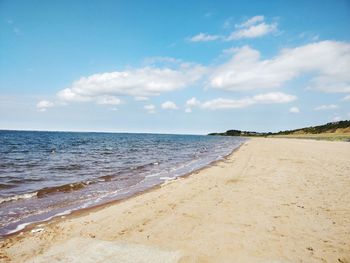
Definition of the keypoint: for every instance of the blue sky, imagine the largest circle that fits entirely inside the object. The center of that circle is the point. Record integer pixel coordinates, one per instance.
(173, 66)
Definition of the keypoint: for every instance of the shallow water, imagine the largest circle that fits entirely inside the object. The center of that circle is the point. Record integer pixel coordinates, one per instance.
(46, 174)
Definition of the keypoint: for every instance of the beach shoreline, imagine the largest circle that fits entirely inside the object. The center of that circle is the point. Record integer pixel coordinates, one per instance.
(82, 211)
(239, 208)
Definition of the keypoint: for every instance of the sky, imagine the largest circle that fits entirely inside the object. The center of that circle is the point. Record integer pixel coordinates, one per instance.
(189, 67)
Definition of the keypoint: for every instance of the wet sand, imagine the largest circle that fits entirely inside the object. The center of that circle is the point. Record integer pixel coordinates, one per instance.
(273, 200)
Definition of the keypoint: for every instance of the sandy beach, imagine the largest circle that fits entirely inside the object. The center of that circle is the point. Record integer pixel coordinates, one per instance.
(272, 200)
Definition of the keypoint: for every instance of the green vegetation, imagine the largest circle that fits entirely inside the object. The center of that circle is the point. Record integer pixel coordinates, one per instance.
(331, 131)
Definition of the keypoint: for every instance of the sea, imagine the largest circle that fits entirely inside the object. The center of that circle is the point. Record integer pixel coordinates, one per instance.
(49, 174)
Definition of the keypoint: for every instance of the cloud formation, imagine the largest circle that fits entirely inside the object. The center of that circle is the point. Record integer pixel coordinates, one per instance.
(108, 100)
(326, 107)
(251, 22)
(169, 105)
(252, 28)
(294, 110)
(221, 103)
(347, 98)
(327, 61)
(203, 37)
(150, 108)
(326, 64)
(141, 98)
(192, 102)
(43, 105)
(142, 82)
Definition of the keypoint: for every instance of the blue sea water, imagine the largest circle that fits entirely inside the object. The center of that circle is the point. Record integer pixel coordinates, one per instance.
(48, 174)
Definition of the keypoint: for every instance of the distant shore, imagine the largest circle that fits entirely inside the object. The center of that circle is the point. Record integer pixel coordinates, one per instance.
(273, 200)
(333, 131)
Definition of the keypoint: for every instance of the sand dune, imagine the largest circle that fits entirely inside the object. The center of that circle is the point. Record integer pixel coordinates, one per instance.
(273, 200)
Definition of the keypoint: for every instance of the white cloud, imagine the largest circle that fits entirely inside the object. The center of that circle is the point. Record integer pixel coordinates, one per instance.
(274, 97)
(169, 105)
(294, 110)
(140, 98)
(70, 95)
(326, 107)
(253, 31)
(43, 105)
(203, 37)
(230, 51)
(142, 82)
(150, 108)
(108, 100)
(161, 60)
(192, 102)
(252, 28)
(268, 98)
(328, 61)
(221, 103)
(346, 98)
(251, 21)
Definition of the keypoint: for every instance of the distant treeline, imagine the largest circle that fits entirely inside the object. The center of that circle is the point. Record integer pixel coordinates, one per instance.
(327, 128)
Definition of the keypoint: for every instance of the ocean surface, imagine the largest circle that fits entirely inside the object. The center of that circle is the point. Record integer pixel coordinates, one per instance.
(49, 174)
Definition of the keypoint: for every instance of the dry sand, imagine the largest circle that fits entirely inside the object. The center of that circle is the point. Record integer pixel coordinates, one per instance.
(273, 200)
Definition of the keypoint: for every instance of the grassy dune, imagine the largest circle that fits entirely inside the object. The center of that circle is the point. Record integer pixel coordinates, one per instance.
(333, 131)
(320, 136)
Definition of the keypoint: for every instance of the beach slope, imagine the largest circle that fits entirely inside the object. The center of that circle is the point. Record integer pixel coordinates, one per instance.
(273, 200)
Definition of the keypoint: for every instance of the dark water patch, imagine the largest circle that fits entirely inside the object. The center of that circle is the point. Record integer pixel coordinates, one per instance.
(69, 167)
(62, 188)
(144, 166)
(6, 186)
(25, 180)
(107, 153)
(5, 165)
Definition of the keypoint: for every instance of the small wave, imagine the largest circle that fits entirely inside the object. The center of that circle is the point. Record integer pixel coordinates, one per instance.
(106, 178)
(7, 165)
(24, 180)
(144, 166)
(107, 153)
(166, 178)
(23, 225)
(80, 142)
(152, 175)
(6, 186)
(17, 197)
(71, 167)
(18, 228)
(62, 188)
(119, 176)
